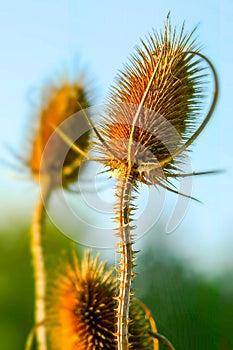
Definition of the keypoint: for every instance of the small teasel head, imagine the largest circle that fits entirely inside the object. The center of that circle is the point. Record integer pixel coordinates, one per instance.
(81, 307)
(155, 109)
(60, 162)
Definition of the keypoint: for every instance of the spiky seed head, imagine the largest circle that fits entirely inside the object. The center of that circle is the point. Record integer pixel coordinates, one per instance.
(81, 306)
(56, 111)
(154, 107)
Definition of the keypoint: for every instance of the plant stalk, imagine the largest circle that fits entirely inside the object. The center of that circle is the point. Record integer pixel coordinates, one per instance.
(124, 193)
(38, 263)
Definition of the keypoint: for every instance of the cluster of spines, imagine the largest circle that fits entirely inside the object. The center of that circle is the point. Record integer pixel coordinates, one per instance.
(169, 112)
(81, 308)
(50, 156)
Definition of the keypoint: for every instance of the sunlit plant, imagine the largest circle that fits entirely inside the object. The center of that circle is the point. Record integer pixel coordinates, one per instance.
(154, 112)
(81, 308)
(53, 172)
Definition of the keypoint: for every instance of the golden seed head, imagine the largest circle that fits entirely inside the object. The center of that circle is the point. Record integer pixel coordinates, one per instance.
(81, 307)
(154, 107)
(60, 162)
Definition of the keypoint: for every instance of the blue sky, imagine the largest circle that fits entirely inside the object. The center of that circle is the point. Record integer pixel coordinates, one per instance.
(41, 39)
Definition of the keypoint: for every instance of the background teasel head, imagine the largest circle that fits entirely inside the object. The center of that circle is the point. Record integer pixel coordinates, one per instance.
(59, 161)
(81, 307)
(155, 107)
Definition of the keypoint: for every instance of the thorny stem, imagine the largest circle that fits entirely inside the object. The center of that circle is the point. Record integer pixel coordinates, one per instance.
(38, 263)
(124, 193)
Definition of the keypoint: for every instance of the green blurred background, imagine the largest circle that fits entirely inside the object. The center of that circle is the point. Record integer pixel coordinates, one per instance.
(194, 311)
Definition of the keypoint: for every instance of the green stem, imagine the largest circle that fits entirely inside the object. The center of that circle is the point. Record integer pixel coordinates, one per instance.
(38, 263)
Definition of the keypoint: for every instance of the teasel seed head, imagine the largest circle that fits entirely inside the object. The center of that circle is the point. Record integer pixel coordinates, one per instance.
(154, 110)
(61, 102)
(81, 307)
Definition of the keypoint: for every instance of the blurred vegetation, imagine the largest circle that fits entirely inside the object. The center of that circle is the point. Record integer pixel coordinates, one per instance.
(192, 311)
(16, 281)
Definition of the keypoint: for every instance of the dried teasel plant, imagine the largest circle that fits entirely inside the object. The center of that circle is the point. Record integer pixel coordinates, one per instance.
(153, 114)
(54, 165)
(81, 308)
(56, 112)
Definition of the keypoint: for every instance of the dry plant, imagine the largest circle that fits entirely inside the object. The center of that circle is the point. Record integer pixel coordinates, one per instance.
(52, 171)
(81, 307)
(153, 114)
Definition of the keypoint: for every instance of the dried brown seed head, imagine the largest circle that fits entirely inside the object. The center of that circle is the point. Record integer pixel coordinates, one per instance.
(154, 108)
(81, 309)
(62, 103)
